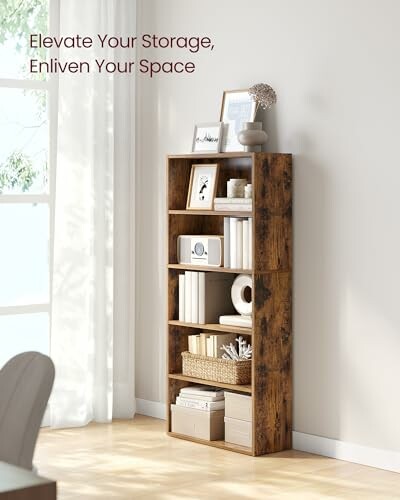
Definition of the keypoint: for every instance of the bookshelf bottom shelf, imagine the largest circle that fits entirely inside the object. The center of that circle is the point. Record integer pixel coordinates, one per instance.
(215, 444)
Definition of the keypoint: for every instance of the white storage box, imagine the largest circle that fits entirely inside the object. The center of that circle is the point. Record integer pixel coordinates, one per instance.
(238, 406)
(200, 424)
(238, 432)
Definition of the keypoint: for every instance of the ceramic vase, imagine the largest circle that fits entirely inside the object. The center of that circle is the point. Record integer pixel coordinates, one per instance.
(252, 137)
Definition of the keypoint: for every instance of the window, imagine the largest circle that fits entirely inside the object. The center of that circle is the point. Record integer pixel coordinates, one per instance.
(27, 166)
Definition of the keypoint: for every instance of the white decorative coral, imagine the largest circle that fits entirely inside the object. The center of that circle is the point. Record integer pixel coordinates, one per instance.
(244, 350)
(264, 95)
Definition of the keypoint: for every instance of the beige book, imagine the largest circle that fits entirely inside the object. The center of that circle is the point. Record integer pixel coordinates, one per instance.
(220, 340)
(203, 343)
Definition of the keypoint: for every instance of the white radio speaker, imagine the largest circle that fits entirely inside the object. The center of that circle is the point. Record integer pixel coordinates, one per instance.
(201, 250)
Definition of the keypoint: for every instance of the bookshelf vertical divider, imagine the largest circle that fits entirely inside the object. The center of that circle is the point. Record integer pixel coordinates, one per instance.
(271, 335)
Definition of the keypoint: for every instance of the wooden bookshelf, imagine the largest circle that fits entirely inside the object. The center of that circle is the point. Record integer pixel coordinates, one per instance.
(209, 269)
(216, 444)
(232, 387)
(271, 335)
(225, 213)
(215, 327)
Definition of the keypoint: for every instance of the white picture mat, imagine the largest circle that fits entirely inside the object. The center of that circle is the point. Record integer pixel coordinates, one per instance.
(211, 130)
(237, 107)
(203, 183)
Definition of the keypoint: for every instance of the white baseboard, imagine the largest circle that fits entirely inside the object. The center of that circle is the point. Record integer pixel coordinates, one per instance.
(341, 450)
(151, 408)
(350, 452)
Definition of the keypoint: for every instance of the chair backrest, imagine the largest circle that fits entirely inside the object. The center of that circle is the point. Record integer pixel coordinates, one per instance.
(25, 386)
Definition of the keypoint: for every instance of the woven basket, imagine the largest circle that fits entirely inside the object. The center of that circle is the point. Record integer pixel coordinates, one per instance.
(216, 369)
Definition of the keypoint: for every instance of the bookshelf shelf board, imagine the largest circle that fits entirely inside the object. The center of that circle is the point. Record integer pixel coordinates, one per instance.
(216, 327)
(188, 267)
(239, 154)
(225, 213)
(216, 444)
(232, 387)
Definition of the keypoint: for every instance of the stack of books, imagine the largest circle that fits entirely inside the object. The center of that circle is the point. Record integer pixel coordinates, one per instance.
(238, 242)
(208, 344)
(233, 204)
(201, 397)
(203, 297)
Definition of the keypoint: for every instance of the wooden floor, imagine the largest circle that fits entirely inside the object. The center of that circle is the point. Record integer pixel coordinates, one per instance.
(135, 459)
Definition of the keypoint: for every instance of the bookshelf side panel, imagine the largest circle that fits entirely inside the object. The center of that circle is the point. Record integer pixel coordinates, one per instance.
(272, 199)
(272, 364)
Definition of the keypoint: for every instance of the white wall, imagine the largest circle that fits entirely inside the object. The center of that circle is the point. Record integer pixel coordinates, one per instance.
(334, 65)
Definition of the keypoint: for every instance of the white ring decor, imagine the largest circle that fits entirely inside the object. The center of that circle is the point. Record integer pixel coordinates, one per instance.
(237, 293)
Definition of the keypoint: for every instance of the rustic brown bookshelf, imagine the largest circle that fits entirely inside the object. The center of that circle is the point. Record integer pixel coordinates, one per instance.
(271, 335)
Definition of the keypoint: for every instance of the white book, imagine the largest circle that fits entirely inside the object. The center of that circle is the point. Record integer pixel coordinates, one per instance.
(250, 243)
(188, 296)
(201, 398)
(232, 208)
(200, 405)
(181, 297)
(210, 347)
(232, 201)
(190, 348)
(202, 298)
(239, 245)
(227, 242)
(202, 390)
(195, 297)
(245, 244)
(233, 232)
(236, 320)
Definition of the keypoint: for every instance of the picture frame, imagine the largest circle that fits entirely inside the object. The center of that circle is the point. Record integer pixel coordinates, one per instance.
(237, 107)
(202, 186)
(207, 137)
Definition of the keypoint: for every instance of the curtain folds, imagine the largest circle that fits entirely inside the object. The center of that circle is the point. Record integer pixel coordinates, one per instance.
(92, 292)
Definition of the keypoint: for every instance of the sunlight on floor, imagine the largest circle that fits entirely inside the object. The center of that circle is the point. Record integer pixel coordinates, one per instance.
(135, 459)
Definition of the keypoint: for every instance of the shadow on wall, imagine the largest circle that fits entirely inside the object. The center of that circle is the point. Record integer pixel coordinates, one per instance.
(316, 312)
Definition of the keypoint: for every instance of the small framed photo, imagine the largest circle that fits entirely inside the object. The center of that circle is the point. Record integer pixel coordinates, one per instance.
(237, 107)
(207, 138)
(202, 187)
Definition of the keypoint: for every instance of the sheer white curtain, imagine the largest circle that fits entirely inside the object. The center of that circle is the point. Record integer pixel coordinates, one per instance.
(92, 284)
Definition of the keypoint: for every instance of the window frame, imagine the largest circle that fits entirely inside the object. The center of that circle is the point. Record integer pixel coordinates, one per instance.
(50, 86)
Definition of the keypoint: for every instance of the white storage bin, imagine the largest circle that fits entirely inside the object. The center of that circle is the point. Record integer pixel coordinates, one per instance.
(238, 432)
(238, 406)
(200, 424)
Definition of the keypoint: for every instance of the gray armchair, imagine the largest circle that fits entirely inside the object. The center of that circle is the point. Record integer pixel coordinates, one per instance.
(25, 386)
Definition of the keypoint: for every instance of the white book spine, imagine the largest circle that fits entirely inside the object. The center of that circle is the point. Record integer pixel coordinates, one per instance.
(181, 297)
(233, 231)
(245, 244)
(190, 348)
(210, 347)
(192, 404)
(232, 208)
(250, 243)
(188, 296)
(239, 245)
(202, 298)
(226, 242)
(195, 297)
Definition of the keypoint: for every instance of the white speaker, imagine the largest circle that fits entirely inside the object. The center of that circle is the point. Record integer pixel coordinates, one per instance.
(201, 250)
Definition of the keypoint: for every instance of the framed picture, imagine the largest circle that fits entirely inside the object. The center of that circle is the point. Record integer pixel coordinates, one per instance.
(202, 187)
(207, 138)
(237, 107)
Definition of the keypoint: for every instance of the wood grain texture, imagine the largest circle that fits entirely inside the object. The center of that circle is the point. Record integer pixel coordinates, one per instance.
(271, 176)
(133, 459)
(272, 207)
(272, 363)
